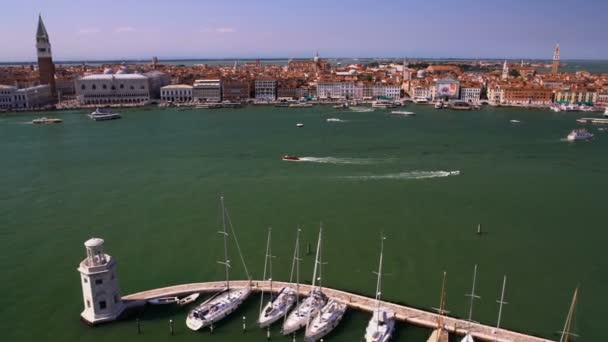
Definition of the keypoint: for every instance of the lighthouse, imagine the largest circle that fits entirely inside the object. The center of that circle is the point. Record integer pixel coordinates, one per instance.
(100, 290)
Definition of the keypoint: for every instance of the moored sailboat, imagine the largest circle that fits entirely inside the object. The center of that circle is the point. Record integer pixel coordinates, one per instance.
(227, 301)
(325, 321)
(310, 306)
(381, 325)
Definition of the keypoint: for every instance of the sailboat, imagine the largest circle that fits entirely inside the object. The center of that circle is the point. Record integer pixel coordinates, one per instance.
(326, 319)
(279, 306)
(310, 306)
(380, 327)
(227, 301)
(565, 333)
(468, 337)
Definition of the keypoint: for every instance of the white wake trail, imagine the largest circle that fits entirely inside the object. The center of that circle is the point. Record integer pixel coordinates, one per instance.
(408, 175)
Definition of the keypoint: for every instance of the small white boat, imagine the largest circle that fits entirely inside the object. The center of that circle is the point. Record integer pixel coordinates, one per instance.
(163, 300)
(188, 299)
(439, 105)
(299, 125)
(342, 105)
(383, 104)
(325, 321)
(300, 105)
(514, 121)
(403, 112)
(45, 120)
(421, 100)
(103, 115)
(579, 134)
(334, 120)
(361, 109)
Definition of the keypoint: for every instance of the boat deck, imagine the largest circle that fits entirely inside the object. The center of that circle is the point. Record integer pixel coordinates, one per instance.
(403, 313)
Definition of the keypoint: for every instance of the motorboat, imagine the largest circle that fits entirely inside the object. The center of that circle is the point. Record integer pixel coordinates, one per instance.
(300, 105)
(382, 324)
(45, 120)
(334, 120)
(421, 100)
(342, 105)
(104, 114)
(439, 105)
(325, 321)
(383, 104)
(209, 105)
(216, 308)
(310, 306)
(555, 108)
(163, 300)
(461, 105)
(287, 157)
(402, 112)
(579, 134)
(299, 125)
(188, 299)
(361, 109)
(277, 308)
(514, 121)
(226, 302)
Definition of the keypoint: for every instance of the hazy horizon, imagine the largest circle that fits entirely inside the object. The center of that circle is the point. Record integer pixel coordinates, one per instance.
(475, 29)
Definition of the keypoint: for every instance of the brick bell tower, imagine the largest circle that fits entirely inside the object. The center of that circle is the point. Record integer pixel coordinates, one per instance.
(46, 68)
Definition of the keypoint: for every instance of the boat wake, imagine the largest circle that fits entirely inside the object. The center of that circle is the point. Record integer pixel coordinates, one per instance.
(335, 120)
(409, 175)
(333, 160)
(361, 109)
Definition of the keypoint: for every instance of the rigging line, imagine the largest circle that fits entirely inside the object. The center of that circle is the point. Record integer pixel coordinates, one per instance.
(238, 247)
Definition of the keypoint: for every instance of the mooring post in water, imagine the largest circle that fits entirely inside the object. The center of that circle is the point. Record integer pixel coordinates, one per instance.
(244, 324)
(211, 328)
(479, 229)
(294, 337)
(171, 327)
(268, 333)
(308, 249)
(138, 326)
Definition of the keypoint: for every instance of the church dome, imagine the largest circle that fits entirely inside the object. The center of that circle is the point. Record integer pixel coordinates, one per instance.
(108, 71)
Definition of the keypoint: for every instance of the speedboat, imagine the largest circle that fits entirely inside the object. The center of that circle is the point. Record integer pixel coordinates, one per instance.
(333, 120)
(299, 125)
(300, 105)
(216, 308)
(439, 105)
(325, 321)
(421, 100)
(383, 104)
(290, 158)
(380, 328)
(278, 307)
(461, 105)
(343, 105)
(402, 112)
(104, 114)
(579, 134)
(514, 121)
(163, 300)
(45, 120)
(188, 299)
(307, 309)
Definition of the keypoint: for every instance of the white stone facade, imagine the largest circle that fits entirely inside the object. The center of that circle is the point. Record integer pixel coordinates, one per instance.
(100, 291)
(119, 88)
(265, 90)
(176, 93)
(207, 90)
(26, 98)
(470, 94)
(337, 90)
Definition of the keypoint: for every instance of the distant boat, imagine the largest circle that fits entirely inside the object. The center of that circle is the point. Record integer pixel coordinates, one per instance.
(439, 105)
(403, 112)
(514, 121)
(287, 157)
(579, 134)
(333, 120)
(104, 114)
(300, 105)
(45, 120)
(361, 109)
(163, 300)
(421, 100)
(299, 125)
(342, 105)
(461, 105)
(224, 303)
(188, 299)
(383, 104)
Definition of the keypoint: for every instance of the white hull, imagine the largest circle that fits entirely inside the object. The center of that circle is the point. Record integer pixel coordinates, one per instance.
(380, 327)
(299, 317)
(278, 308)
(216, 309)
(325, 321)
(467, 338)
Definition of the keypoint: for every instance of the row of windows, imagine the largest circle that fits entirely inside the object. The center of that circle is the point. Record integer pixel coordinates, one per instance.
(175, 92)
(115, 95)
(112, 87)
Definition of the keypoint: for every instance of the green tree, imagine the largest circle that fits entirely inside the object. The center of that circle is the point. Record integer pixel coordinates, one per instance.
(514, 73)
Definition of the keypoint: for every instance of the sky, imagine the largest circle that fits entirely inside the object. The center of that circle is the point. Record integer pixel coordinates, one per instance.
(135, 29)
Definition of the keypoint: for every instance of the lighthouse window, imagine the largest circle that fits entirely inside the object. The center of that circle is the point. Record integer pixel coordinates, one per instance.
(98, 281)
(102, 304)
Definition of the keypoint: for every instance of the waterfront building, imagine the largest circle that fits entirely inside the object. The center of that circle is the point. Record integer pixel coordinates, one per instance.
(496, 94)
(100, 291)
(235, 90)
(386, 91)
(265, 89)
(527, 95)
(7, 96)
(587, 96)
(176, 93)
(207, 90)
(27, 98)
(447, 89)
(470, 92)
(336, 90)
(46, 67)
(555, 65)
(121, 87)
(423, 92)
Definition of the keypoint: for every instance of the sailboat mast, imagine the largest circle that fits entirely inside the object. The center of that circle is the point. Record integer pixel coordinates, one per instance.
(314, 272)
(320, 263)
(565, 337)
(226, 265)
(379, 280)
(473, 295)
(502, 301)
(265, 267)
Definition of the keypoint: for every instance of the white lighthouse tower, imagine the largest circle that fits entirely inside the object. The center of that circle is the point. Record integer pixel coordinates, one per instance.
(100, 290)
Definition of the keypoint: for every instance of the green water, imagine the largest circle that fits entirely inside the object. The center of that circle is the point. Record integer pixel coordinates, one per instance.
(149, 185)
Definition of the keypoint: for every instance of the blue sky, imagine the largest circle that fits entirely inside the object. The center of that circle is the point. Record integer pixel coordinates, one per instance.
(112, 29)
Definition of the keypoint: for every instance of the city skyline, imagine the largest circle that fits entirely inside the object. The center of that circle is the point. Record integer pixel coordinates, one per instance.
(123, 30)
